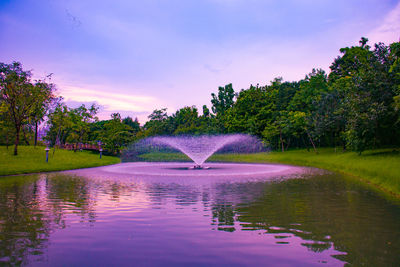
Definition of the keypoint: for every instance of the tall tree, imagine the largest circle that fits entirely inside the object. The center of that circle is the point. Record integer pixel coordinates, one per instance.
(42, 106)
(19, 95)
(223, 101)
(367, 86)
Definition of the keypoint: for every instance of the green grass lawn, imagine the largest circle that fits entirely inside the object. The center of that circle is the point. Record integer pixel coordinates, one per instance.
(378, 167)
(31, 159)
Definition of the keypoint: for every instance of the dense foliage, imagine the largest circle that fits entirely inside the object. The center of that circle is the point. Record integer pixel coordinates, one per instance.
(355, 106)
(23, 103)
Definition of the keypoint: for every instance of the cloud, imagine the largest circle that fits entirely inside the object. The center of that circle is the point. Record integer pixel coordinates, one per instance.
(126, 104)
(109, 100)
(389, 30)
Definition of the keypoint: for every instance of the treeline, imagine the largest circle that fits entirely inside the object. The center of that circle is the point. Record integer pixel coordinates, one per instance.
(27, 104)
(80, 125)
(355, 106)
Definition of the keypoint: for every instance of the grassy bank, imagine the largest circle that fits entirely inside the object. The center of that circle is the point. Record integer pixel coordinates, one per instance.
(30, 160)
(378, 167)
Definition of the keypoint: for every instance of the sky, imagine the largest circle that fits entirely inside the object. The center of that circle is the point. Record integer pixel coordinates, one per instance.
(132, 57)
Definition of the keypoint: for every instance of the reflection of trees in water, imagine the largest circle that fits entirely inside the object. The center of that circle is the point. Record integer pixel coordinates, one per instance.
(70, 194)
(328, 211)
(183, 195)
(227, 197)
(116, 189)
(224, 217)
(208, 195)
(31, 207)
(24, 229)
(323, 211)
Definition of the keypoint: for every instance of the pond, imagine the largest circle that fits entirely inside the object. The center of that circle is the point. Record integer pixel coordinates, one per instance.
(120, 215)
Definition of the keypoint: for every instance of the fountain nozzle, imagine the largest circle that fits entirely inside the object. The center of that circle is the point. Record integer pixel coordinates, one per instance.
(198, 167)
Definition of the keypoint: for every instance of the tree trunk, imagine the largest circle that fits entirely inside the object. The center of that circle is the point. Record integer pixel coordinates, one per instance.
(305, 143)
(287, 145)
(309, 136)
(17, 130)
(280, 136)
(25, 139)
(334, 139)
(7, 141)
(36, 133)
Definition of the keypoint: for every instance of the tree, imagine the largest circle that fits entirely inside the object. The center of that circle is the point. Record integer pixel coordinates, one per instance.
(19, 96)
(366, 83)
(223, 101)
(71, 124)
(116, 134)
(206, 112)
(208, 122)
(134, 124)
(309, 91)
(186, 120)
(158, 123)
(302, 106)
(395, 72)
(158, 115)
(59, 124)
(80, 119)
(330, 116)
(42, 106)
(6, 126)
(251, 111)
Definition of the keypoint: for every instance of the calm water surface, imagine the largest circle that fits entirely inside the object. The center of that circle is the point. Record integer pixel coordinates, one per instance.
(97, 218)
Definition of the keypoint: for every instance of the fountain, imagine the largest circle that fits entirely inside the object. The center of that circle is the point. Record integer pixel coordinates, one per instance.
(200, 148)
(138, 159)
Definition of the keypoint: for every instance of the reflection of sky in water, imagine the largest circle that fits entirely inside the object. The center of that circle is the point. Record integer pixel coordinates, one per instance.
(323, 219)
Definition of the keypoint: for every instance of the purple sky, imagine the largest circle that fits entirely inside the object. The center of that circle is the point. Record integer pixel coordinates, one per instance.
(136, 56)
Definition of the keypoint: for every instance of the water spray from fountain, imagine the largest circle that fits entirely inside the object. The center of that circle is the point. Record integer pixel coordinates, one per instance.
(198, 148)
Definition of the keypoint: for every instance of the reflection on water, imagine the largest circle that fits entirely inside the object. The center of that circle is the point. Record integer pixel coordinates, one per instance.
(327, 220)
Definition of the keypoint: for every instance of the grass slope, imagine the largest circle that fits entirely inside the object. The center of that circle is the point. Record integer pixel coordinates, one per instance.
(30, 160)
(379, 167)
